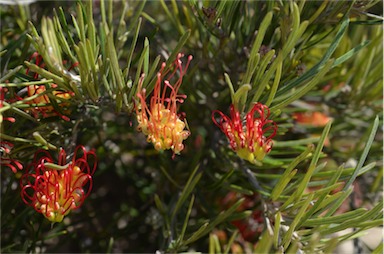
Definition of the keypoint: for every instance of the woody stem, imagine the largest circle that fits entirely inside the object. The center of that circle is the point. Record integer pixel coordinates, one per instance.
(251, 178)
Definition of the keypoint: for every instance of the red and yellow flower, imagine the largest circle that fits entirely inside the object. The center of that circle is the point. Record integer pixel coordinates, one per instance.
(56, 189)
(249, 140)
(48, 110)
(159, 120)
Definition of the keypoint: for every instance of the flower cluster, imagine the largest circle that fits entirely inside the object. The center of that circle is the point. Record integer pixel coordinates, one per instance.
(56, 189)
(159, 120)
(249, 141)
(41, 101)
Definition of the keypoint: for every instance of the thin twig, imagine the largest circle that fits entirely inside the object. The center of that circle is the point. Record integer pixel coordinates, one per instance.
(251, 178)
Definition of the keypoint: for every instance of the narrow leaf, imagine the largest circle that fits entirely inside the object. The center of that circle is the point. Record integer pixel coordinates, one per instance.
(364, 154)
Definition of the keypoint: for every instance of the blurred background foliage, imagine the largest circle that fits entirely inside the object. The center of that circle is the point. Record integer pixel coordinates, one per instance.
(317, 64)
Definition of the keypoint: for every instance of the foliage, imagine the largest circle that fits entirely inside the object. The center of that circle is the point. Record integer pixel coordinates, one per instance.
(314, 64)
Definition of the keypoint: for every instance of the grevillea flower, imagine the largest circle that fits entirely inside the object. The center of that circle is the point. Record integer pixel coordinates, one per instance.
(159, 120)
(6, 159)
(315, 119)
(56, 189)
(252, 226)
(6, 146)
(41, 95)
(248, 140)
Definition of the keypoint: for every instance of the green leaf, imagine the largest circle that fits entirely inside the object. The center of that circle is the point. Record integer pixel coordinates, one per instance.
(133, 46)
(207, 227)
(139, 73)
(151, 75)
(43, 142)
(146, 57)
(240, 215)
(231, 90)
(230, 242)
(319, 200)
(276, 229)
(299, 92)
(297, 31)
(304, 182)
(186, 220)
(364, 154)
(331, 245)
(275, 85)
(48, 75)
(197, 234)
(337, 219)
(315, 69)
(62, 22)
(135, 21)
(292, 143)
(350, 53)
(162, 210)
(338, 202)
(260, 37)
(288, 174)
(214, 244)
(358, 221)
(240, 189)
(110, 245)
(379, 249)
(173, 16)
(81, 23)
(288, 235)
(218, 184)
(240, 97)
(189, 187)
(177, 48)
(61, 38)
(10, 73)
(264, 243)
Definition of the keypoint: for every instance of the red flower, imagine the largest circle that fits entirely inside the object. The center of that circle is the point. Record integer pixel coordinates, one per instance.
(5, 146)
(249, 140)
(6, 159)
(55, 189)
(251, 227)
(159, 120)
(315, 119)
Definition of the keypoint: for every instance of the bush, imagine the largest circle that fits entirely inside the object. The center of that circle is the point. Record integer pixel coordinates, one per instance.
(212, 126)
